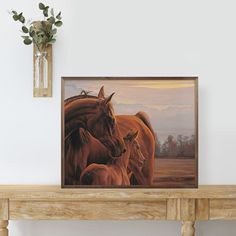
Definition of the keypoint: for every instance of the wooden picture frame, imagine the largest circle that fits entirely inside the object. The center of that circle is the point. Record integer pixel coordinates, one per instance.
(185, 86)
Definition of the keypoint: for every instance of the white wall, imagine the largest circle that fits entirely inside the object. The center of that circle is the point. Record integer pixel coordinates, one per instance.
(123, 37)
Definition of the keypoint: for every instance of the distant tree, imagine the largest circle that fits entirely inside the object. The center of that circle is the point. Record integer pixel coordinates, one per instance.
(157, 146)
(180, 145)
(172, 146)
(183, 146)
(169, 147)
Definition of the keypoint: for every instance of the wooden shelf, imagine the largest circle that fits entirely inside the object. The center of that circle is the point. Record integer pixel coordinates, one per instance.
(51, 202)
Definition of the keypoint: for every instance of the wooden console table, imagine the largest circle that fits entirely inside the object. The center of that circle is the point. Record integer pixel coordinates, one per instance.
(54, 203)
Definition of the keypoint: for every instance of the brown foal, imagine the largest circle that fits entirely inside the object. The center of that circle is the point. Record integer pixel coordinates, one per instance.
(115, 173)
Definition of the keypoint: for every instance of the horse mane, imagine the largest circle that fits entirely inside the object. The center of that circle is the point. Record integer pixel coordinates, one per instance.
(83, 94)
(73, 143)
(75, 139)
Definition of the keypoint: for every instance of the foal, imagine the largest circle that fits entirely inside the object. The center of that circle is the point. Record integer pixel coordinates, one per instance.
(114, 173)
(82, 150)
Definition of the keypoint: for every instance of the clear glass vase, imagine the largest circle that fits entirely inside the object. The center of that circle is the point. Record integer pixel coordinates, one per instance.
(41, 70)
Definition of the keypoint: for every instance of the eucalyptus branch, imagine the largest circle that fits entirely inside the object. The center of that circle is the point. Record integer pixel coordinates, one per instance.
(40, 33)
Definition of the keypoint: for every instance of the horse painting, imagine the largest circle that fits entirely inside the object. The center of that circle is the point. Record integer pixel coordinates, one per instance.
(137, 132)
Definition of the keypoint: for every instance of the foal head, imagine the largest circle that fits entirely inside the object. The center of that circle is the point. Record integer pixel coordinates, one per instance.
(136, 155)
(133, 148)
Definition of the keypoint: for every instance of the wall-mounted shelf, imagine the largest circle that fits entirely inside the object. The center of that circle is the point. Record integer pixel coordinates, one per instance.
(52, 202)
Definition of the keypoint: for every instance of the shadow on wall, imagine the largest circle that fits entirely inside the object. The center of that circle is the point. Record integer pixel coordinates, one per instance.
(216, 228)
(88, 228)
(117, 228)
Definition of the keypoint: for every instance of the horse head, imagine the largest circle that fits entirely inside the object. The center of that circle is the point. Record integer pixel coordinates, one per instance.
(96, 115)
(102, 125)
(136, 156)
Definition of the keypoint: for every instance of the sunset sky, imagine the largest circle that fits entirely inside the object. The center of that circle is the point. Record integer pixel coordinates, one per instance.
(169, 103)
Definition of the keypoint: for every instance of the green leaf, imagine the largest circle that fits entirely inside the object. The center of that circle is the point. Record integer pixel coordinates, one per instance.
(52, 12)
(58, 23)
(27, 41)
(31, 28)
(41, 6)
(25, 29)
(22, 19)
(15, 17)
(25, 37)
(32, 33)
(45, 12)
(54, 31)
(52, 41)
(14, 12)
(58, 16)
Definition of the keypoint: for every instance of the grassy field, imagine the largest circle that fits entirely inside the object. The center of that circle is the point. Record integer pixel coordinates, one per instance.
(174, 172)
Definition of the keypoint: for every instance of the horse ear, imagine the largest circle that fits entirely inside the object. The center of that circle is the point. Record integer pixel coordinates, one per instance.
(84, 136)
(108, 99)
(101, 94)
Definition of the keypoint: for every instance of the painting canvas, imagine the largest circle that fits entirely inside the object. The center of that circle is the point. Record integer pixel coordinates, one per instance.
(129, 132)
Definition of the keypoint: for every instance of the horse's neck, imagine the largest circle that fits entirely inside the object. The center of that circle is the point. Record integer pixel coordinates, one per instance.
(78, 112)
(80, 108)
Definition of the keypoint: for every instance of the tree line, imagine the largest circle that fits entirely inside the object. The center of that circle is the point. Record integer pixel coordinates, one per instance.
(182, 146)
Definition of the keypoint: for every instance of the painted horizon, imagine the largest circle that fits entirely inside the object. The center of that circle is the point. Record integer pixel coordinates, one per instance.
(171, 107)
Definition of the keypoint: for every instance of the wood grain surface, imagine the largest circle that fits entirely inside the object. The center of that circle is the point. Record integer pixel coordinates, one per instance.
(4, 209)
(88, 210)
(49, 192)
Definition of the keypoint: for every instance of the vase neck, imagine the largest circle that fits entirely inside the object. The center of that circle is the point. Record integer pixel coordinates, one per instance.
(41, 54)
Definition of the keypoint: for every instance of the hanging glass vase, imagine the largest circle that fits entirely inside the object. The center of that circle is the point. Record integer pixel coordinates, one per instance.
(41, 70)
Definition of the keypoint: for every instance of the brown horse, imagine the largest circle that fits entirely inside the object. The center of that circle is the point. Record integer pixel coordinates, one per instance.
(115, 173)
(96, 115)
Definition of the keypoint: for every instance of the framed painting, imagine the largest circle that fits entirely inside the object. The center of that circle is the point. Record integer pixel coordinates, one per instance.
(129, 132)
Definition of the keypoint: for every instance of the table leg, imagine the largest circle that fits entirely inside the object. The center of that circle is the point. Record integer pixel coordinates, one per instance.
(188, 228)
(3, 228)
